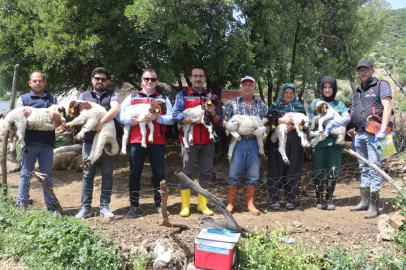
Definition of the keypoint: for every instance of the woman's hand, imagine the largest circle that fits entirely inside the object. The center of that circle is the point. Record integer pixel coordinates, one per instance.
(288, 120)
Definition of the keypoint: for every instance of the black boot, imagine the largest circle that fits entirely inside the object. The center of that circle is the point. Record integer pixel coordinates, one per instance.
(363, 204)
(373, 209)
(320, 203)
(331, 185)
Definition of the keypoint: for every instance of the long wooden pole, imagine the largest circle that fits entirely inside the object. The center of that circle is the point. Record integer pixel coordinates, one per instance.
(5, 141)
(42, 178)
(381, 172)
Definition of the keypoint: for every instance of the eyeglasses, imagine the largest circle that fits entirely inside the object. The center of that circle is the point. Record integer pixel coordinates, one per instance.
(150, 79)
(200, 76)
(363, 70)
(100, 79)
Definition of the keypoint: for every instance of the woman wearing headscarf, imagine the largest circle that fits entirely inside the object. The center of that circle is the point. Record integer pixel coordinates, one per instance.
(279, 174)
(326, 154)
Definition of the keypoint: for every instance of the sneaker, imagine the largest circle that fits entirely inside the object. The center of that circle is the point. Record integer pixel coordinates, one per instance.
(84, 212)
(158, 209)
(106, 213)
(51, 208)
(133, 213)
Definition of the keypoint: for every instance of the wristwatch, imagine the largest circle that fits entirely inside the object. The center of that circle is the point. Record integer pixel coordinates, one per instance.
(194, 121)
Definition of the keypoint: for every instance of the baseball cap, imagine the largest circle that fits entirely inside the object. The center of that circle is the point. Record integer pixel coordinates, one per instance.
(248, 78)
(365, 63)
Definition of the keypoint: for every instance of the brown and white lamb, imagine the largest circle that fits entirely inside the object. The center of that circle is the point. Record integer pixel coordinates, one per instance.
(89, 114)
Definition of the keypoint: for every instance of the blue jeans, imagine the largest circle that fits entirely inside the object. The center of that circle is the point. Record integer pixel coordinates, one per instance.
(369, 177)
(107, 166)
(205, 154)
(245, 156)
(156, 156)
(45, 155)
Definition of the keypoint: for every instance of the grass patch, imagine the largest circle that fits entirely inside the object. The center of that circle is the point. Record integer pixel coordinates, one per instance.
(49, 241)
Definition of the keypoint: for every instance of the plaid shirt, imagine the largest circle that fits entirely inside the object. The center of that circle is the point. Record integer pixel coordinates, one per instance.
(237, 106)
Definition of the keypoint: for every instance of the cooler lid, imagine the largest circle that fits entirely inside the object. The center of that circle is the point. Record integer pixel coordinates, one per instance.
(228, 237)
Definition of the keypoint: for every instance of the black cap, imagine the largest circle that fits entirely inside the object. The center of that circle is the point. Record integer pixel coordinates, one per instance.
(365, 63)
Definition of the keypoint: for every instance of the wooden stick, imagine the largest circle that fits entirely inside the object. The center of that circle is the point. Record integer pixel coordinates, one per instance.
(42, 178)
(231, 223)
(5, 140)
(381, 172)
(164, 204)
(400, 87)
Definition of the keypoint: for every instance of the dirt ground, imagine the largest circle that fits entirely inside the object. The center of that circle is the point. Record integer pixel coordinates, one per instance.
(315, 227)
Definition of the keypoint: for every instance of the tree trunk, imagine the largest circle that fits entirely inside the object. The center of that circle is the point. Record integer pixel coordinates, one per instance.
(278, 84)
(180, 86)
(261, 91)
(270, 91)
(292, 65)
(349, 62)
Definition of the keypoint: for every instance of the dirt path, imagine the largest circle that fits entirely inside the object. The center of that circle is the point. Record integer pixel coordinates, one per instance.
(314, 226)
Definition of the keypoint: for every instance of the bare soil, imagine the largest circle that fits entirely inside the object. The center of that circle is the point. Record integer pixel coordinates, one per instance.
(315, 227)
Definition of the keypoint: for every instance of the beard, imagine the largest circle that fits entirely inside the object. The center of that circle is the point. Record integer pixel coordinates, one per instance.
(99, 87)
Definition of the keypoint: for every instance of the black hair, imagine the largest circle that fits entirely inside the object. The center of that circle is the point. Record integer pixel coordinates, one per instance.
(191, 70)
(101, 70)
(149, 70)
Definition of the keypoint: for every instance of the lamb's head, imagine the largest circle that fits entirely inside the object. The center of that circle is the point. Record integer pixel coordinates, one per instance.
(62, 112)
(213, 100)
(158, 106)
(270, 120)
(304, 124)
(321, 108)
(75, 107)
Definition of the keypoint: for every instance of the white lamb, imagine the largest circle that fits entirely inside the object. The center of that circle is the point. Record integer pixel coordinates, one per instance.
(17, 123)
(246, 127)
(69, 148)
(195, 113)
(280, 133)
(324, 112)
(91, 113)
(156, 106)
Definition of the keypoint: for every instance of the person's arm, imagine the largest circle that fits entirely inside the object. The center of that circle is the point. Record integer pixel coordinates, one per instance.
(167, 118)
(121, 116)
(386, 112)
(178, 108)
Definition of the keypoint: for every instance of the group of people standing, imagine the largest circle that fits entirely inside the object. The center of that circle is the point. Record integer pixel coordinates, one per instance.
(372, 96)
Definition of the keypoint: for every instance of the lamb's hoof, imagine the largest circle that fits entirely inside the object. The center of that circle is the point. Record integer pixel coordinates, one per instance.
(287, 162)
(229, 159)
(85, 165)
(123, 153)
(190, 142)
(151, 140)
(187, 149)
(307, 145)
(25, 149)
(144, 145)
(77, 138)
(213, 140)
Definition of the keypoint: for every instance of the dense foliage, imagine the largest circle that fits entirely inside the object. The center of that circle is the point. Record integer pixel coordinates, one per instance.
(48, 241)
(275, 41)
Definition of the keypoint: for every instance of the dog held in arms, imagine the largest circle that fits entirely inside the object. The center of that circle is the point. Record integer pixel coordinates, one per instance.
(324, 112)
(156, 106)
(89, 114)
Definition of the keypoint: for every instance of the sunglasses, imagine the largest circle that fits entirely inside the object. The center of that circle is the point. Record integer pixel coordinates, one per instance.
(150, 79)
(100, 79)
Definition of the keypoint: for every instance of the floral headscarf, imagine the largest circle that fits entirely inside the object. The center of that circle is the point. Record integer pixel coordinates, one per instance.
(292, 106)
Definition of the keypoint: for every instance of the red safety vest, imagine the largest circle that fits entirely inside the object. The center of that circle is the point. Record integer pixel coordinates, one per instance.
(193, 99)
(159, 130)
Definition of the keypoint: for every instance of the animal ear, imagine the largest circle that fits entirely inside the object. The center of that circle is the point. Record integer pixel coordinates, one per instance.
(85, 106)
(71, 104)
(163, 107)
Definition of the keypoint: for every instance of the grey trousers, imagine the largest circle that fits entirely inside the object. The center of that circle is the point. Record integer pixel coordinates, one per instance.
(205, 154)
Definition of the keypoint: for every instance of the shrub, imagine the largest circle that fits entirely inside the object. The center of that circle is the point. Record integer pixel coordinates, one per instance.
(49, 241)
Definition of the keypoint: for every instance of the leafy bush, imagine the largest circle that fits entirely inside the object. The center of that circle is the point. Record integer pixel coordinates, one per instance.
(269, 250)
(49, 241)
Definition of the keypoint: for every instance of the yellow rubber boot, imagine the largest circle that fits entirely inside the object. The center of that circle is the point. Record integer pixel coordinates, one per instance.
(202, 206)
(185, 196)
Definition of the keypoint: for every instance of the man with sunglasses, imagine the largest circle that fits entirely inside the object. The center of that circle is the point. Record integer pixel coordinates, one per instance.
(40, 144)
(372, 97)
(109, 100)
(156, 150)
(202, 148)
